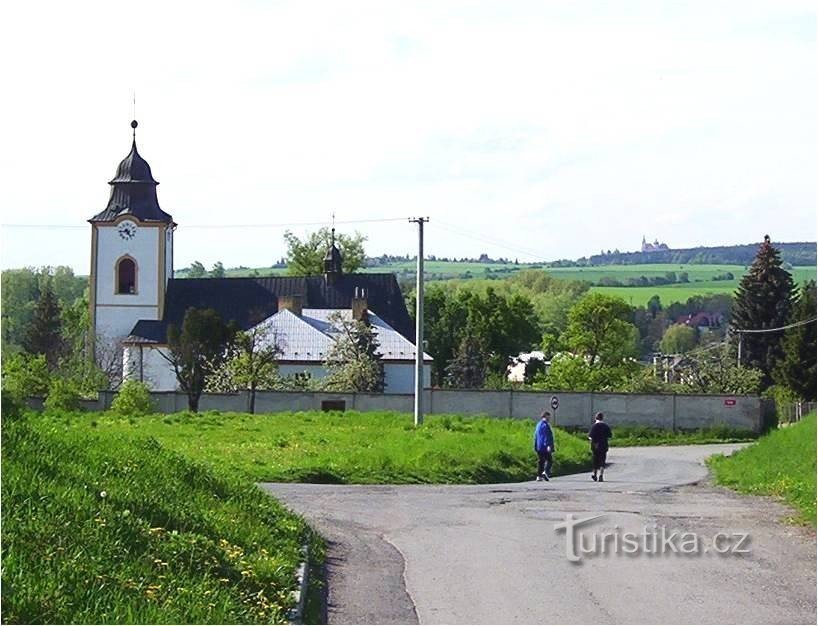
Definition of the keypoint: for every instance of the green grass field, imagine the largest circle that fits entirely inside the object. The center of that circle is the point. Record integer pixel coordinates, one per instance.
(102, 527)
(700, 276)
(781, 464)
(349, 447)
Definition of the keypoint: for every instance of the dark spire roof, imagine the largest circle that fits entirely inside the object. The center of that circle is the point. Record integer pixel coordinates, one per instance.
(333, 261)
(133, 190)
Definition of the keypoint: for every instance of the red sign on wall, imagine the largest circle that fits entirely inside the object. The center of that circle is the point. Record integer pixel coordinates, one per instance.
(730, 402)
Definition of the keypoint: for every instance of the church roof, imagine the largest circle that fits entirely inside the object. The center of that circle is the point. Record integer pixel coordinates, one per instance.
(133, 191)
(247, 301)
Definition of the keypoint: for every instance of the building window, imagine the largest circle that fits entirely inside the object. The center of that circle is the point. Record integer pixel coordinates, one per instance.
(126, 275)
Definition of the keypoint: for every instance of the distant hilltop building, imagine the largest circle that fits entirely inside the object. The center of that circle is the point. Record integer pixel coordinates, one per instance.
(653, 247)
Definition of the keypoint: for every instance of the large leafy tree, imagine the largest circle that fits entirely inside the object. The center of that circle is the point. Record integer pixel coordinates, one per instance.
(796, 370)
(600, 331)
(252, 363)
(305, 257)
(503, 325)
(44, 332)
(678, 339)
(716, 371)
(353, 362)
(197, 350)
(574, 373)
(764, 300)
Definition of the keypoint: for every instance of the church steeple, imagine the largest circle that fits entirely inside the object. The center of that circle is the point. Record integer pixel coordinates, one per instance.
(333, 261)
(133, 190)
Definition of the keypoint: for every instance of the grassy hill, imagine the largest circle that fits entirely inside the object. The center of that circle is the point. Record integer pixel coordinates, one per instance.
(102, 527)
(702, 279)
(781, 464)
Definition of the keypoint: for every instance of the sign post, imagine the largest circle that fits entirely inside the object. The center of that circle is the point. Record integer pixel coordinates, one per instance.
(555, 404)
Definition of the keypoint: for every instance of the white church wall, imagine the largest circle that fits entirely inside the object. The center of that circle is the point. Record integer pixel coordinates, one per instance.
(400, 377)
(169, 253)
(115, 323)
(316, 372)
(144, 248)
(155, 370)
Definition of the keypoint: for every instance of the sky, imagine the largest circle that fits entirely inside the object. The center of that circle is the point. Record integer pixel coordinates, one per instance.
(532, 130)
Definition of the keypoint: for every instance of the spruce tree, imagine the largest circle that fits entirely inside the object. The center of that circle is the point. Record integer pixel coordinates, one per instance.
(44, 333)
(467, 370)
(797, 369)
(764, 300)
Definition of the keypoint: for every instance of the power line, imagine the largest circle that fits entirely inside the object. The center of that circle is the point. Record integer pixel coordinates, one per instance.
(504, 245)
(220, 226)
(773, 330)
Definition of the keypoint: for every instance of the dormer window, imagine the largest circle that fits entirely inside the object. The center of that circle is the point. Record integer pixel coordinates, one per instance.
(126, 276)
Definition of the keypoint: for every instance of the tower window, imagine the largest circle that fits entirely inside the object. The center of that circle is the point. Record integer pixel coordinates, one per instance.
(126, 276)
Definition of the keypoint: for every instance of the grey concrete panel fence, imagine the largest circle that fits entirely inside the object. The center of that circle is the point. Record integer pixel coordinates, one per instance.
(667, 411)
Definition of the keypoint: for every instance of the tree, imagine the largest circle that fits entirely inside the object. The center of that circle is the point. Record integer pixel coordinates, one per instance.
(504, 326)
(218, 270)
(678, 339)
(197, 270)
(44, 333)
(25, 375)
(655, 305)
(197, 349)
(796, 370)
(253, 362)
(716, 371)
(574, 373)
(306, 257)
(467, 370)
(353, 362)
(599, 330)
(764, 300)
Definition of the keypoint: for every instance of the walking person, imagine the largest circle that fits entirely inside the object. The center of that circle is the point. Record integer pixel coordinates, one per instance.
(544, 447)
(599, 434)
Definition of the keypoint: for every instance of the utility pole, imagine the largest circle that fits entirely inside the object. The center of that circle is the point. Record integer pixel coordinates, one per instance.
(420, 221)
(740, 338)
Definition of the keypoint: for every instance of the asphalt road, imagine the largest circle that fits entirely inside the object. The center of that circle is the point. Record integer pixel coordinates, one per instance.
(491, 554)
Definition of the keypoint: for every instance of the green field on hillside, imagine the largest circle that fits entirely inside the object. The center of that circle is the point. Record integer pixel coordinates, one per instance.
(350, 447)
(99, 526)
(781, 464)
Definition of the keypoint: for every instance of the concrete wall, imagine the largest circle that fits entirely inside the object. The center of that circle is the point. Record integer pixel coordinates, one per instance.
(576, 410)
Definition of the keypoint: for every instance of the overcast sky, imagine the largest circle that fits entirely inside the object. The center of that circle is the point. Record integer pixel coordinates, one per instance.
(537, 130)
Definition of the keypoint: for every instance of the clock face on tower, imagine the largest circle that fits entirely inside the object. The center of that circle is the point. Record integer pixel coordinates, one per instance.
(126, 230)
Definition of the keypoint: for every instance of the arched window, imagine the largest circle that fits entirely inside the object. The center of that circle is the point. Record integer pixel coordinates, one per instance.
(126, 275)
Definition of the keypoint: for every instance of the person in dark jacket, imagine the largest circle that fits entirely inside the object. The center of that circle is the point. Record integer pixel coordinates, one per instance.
(544, 447)
(599, 434)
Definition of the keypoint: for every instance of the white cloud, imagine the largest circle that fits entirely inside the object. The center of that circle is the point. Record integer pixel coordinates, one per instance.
(566, 127)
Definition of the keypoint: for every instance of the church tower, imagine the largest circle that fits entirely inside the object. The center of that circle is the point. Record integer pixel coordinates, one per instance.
(131, 252)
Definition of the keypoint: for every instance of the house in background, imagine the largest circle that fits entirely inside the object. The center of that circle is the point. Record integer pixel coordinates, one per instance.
(134, 297)
(305, 337)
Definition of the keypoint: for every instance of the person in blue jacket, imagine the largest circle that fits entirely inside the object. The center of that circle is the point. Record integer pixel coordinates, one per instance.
(544, 447)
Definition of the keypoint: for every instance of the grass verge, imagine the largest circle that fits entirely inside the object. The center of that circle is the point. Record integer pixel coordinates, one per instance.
(102, 527)
(781, 464)
(625, 436)
(350, 447)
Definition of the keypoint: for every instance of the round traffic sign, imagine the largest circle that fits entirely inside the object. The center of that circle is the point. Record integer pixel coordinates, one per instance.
(555, 403)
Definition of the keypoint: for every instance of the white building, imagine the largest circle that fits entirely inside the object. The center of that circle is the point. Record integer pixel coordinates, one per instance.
(134, 297)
